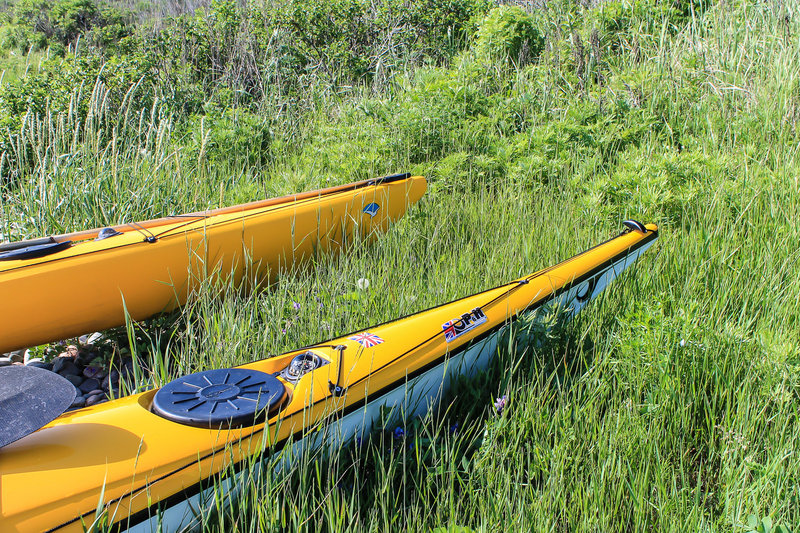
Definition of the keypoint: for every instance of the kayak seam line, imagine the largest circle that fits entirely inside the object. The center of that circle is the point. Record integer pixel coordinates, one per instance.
(164, 234)
(273, 208)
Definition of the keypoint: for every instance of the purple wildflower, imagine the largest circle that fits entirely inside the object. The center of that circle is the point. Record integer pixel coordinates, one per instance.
(454, 429)
(500, 404)
(296, 306)
(399, 433)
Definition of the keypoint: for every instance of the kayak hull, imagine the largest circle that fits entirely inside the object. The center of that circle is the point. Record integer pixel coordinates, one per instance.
(149, 269)
(151, 469)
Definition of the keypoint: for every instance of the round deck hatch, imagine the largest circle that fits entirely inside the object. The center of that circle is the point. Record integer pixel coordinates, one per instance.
(232, 397)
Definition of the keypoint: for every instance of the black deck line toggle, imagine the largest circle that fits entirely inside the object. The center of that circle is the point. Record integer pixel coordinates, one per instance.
(390, 178)
(335, 388)
(634, 225)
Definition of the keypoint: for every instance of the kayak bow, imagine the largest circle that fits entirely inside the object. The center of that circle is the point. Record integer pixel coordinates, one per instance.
(150, 458)
(77, 283)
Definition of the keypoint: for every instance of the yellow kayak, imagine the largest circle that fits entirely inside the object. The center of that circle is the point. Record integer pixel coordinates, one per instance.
(81, 282)
(148, 459)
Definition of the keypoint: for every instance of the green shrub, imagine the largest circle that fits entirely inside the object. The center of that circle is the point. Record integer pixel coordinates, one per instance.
(38, 24)
(663, 186)
(31, 12)
(509, 33)
(351, 39)
(233, 137)
(443, 27)
(21, 38)
(71, 18)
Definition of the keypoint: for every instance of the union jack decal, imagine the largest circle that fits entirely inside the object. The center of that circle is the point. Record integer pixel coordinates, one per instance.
(367, 340)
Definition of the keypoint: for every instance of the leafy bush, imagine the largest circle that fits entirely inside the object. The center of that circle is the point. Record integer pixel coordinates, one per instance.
(509, 33)
(235, 138)
(37, 24)
(443, 27)
(351, 39)
(657, 186)
(71, 18)
(22, 38)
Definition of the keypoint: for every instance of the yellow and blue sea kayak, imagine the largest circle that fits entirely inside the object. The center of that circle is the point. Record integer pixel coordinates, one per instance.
(151, 459)
(82, 282)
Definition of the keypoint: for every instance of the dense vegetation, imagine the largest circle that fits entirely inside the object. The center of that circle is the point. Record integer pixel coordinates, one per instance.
(671, 404)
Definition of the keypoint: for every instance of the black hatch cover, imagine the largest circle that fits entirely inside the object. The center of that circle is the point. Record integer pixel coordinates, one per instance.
(232, 397)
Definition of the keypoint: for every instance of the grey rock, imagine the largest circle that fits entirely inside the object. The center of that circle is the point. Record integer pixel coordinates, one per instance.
(79, 401)
(89, 385)
(113, 376)
(95, 391)
(95, 338)
(75, 380)
(59, 363)
(95, 399)
(95, 372)
(17, 356)
(69, 369)
(38, 363)
(5, 361)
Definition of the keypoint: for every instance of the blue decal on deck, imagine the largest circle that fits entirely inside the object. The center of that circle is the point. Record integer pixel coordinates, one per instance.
(466, 322)
(371, 209)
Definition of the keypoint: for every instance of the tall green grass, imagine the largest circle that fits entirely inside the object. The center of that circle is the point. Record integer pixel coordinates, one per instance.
(670, 404)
